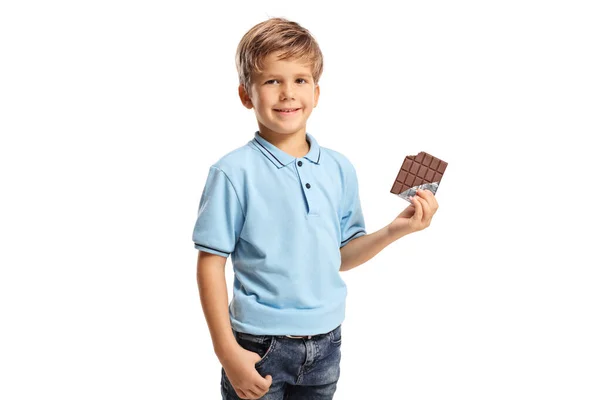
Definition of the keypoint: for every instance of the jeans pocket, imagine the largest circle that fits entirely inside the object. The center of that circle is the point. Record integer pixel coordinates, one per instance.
(335, 336)
(263, 345)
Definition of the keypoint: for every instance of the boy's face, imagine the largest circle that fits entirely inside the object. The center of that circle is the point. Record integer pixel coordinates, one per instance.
(283, 85)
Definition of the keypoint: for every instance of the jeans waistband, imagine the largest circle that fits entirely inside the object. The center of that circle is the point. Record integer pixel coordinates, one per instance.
(296, 336)
(309, 336)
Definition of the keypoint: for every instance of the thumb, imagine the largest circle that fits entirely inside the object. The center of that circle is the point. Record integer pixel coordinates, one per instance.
(269, 379)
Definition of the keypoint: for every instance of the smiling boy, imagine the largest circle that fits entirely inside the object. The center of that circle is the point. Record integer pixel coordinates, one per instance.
(283, 96)
(288, 212)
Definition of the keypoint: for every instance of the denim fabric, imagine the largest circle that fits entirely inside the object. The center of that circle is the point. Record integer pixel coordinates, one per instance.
(302, 369)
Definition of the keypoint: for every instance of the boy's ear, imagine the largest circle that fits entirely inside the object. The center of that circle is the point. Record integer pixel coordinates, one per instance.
(317, 93)
(244, 97)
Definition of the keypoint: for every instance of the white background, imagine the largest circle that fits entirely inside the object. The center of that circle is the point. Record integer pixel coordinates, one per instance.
(112, 112)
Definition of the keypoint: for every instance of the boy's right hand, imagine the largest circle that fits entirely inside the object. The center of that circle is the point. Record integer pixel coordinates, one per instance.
(243, 376)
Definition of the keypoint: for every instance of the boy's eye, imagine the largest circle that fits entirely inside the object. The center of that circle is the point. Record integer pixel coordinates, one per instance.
(299, 80)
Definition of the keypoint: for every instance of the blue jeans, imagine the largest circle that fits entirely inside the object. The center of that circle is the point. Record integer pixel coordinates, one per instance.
(302, 369)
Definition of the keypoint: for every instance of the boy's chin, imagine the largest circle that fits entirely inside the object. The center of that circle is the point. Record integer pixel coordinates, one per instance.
(282, 130)
(290, 131)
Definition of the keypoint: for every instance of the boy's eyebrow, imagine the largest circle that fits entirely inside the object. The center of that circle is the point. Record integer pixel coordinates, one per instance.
(274, 75)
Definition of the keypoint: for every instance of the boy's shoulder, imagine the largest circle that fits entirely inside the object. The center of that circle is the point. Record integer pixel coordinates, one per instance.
(235, 159)
(338, 156)
(340, 159)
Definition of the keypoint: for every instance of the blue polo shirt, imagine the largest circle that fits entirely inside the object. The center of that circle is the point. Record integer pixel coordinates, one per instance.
(283, 220)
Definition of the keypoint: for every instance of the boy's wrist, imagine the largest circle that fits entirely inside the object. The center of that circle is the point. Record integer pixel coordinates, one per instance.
(224, 348)
(397, 233)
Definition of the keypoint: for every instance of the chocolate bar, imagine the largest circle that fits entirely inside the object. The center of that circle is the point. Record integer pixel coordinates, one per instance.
(422, 171)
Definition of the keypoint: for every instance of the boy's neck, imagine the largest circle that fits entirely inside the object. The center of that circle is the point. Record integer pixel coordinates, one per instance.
(294, 144)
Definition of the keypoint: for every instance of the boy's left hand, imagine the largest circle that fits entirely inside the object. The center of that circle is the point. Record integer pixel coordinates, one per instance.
(416, 216)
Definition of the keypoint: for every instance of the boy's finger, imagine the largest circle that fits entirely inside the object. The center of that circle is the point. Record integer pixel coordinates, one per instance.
(252, 394)
(429, 197)
(418, 208)
(426, 209)
(264, 383)
(260, 393)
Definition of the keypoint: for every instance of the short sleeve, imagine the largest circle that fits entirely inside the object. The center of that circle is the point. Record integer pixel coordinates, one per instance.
(220, 216)
(352, 223)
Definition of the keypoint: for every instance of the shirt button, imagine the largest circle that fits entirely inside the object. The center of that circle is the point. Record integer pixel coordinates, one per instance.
(308, 185)
(299, 163)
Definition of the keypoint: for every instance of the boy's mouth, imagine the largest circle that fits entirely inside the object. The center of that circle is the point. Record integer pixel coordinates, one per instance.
(286, 110)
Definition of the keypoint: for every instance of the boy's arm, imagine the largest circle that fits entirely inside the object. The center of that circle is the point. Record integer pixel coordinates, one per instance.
(413, 218)
(212, 287)
(363, 248)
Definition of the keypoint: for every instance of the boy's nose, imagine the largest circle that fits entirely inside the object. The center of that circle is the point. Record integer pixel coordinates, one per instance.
(287, 92)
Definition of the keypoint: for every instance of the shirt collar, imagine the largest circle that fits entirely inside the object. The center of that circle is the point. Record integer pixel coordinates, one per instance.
(279, 157)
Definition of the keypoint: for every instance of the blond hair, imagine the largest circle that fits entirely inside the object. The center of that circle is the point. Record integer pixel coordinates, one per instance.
(274, 35)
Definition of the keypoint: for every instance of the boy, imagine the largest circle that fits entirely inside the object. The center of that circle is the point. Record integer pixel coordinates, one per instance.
(288, 212)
